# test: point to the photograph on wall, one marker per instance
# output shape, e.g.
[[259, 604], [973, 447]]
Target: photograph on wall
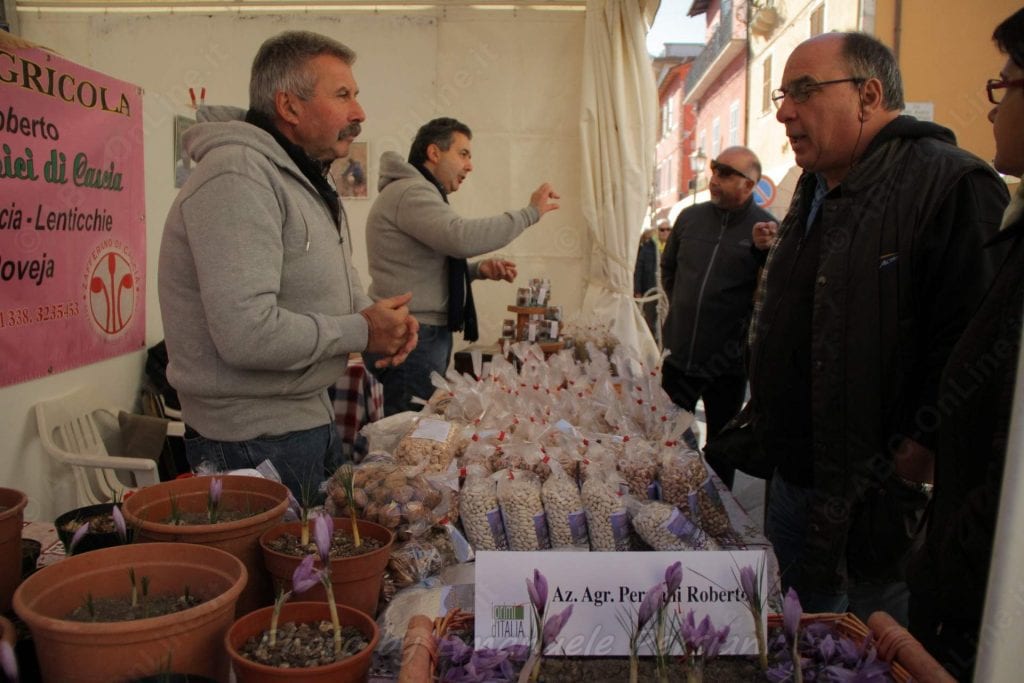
[[350, 172], [182, 162]]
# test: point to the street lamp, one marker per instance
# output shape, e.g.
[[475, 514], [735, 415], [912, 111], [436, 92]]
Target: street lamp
[[698, 160]]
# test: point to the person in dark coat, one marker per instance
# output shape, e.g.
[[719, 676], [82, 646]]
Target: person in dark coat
[[645, 277], [948, 576]]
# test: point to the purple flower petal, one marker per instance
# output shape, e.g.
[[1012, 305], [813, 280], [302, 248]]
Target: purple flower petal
[[554, 625], [122, 529], [323, 531], [216, 487], [305, 576], [538, 590], [8, 662], [79, 534], [791, 611], [454, 650], [749, 583], [653, 599], [674, 577]]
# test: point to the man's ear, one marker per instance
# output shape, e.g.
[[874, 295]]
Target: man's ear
[[871, 98], [285, 105], [433, 153]]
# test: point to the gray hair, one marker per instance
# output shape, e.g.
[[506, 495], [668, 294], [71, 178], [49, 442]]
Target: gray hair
[[867, 57], [280, 66]]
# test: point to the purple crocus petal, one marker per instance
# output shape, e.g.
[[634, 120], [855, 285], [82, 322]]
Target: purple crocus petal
[[791, 611], [748, 582], [8, 662], [323, 531], [704, 628], [826, 649], [518, 653], [553, 626], [216, 486], [122, 528], [80, 533], [673, 577], [649, 605], [848, 651], [453, 650], [538, 589], [783, 671], [714, 641], [489, 660], [305, 576]]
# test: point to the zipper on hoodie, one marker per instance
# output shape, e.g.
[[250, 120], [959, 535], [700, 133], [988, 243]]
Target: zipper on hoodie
[[703, 287]]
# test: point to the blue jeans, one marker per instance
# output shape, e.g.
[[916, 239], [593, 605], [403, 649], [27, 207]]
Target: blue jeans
[[412, 378], [304, 459], [786, 528]]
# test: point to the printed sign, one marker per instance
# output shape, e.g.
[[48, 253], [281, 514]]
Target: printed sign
[[605, 588], [72, 216]]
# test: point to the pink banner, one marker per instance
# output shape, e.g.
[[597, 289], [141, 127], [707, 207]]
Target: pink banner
[[72, 216]]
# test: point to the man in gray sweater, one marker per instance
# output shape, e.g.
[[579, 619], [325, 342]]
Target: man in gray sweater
[[260, 302], [416, 241]]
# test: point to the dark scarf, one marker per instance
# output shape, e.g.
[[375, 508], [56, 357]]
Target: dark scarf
[[315, 171], [461, 309]]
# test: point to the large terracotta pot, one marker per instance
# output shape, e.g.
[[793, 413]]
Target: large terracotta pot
[[356, 581], [110, 652], [147, 509], [351, 670], [12, 518]]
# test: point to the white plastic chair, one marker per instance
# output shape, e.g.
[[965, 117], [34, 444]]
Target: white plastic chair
[[71, 435]]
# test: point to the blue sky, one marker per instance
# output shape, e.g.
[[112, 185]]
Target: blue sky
[[671, 25]]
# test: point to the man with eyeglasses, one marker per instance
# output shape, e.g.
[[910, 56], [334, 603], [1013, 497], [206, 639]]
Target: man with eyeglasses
[[709, 273], [871, 278]]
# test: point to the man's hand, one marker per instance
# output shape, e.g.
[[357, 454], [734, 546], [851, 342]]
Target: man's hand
[[392, 331], [764, 234], [541, 199], [498, 269], [914, 462]]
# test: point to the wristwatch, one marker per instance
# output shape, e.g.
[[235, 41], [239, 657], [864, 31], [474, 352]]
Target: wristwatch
[[919, 486]]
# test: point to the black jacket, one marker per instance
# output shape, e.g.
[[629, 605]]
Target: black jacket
[[975, 403], [901, 269], [709, 274]]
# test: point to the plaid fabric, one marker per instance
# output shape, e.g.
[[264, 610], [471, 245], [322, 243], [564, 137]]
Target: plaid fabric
[[358, 400]]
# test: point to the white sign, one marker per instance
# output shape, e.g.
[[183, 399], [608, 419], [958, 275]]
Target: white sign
[[605, 587], [922, 111]]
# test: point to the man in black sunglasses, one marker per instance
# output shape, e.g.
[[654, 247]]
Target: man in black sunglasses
[[709, 274]]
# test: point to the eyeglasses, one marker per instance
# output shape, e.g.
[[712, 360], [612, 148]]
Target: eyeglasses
[[664, 229], [727, 171], [995, 87], [801, 90]]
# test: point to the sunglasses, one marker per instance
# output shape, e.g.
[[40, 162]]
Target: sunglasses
[[727, 171]]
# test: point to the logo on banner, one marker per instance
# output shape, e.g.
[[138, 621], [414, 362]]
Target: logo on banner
[[111, 285], [508, 621]]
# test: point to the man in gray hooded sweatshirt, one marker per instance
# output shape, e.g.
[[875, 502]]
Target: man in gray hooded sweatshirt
[[415, 241], [260, 302]]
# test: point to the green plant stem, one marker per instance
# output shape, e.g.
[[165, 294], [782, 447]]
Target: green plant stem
[[762, 649], [695, 670], [634, 668], [334, 614], [798, 672], [535, 673], [661, 658]]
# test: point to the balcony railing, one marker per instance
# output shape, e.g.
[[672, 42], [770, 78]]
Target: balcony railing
[[715, 46]]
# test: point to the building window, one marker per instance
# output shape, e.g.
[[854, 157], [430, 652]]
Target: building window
[[766, 85], [716, 137], [734, 124], [818, 20]]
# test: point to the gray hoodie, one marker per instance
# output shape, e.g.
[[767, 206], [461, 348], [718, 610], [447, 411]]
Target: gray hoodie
[[259, 298], [411, 230]]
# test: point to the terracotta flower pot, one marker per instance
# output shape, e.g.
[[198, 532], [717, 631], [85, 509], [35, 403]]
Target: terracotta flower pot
[[106, 652], [12, 518], [351, 670], [93, 540], [147, 509], [356, 580]]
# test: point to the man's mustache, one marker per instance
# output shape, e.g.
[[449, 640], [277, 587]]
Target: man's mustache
[[350, 131]]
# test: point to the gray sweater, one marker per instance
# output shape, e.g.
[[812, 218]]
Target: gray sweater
[[259, 298], [411, 230]]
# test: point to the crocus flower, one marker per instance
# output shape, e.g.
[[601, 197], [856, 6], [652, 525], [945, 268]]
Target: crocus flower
[[79, 534], [454, 650], [323, 532], [538, 590], [791, 611], [554, 625], [713, 642], [122, 529], [654, 599], [216, 487], [8, 662], [305, 576], [748, 582], [673, 577]]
